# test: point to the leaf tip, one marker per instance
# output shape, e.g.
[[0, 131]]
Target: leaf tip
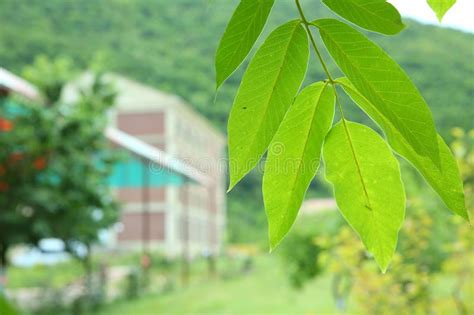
[[234, 180], [274, 241], [440, 15], [232, 183], [273, 246], [219, 83], [467, 217], [463, 213], [383, 265], [383, 261]]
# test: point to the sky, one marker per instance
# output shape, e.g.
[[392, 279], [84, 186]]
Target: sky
[[461, 15]]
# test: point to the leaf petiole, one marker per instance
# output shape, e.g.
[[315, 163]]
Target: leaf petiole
[[306, 25], [333, 83]]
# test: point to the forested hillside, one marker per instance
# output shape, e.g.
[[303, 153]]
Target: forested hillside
[[171, 45]]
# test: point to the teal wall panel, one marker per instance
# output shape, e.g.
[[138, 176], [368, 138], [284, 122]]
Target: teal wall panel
[[129, 173]]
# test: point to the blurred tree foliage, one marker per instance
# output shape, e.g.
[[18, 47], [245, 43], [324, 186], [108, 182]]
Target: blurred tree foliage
[[171, 45], [435, 247], [461, 251], [6, 308], [53, 168], [49, 76], [300, 253]]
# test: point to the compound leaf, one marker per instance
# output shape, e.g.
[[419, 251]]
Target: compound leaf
[[375, 15], [268, 87], [384, 83], [241, 33], [367, 185], [446, 181], [294, 155]]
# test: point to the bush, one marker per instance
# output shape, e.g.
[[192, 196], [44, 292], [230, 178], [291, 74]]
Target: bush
[[300, 250], [132, 288]]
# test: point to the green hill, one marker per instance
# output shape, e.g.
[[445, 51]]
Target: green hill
[[171, 45]]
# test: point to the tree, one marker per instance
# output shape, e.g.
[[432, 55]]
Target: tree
[[424, 51], [461, 251], [55, 162], [295, 128], [49, 76]]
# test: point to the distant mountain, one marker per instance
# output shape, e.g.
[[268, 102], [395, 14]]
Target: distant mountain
[[170, 44]]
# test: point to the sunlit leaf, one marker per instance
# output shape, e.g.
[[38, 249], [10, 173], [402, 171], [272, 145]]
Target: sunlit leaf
[[440, 7], [446, 181], [367, 185], [384, 83], [244, 27], [268, 87], [293, 157], [374, 15]]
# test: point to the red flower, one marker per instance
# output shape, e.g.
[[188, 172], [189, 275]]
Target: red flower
[[40, 163], [145, 261], [4, 186], [5, 125], [15, 157]]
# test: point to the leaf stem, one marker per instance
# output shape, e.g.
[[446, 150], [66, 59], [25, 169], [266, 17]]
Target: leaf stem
[[333, 83], [313, 42], [354, 155]]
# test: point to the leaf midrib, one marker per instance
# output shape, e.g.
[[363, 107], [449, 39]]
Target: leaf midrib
[[239, 45], [298, 174], [270, 97], [403, 142], [369, 85], [356, 161]]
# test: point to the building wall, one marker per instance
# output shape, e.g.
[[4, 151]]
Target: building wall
[[193, 141], [191, 218]]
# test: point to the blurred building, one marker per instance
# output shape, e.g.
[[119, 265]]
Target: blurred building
[[10, 83], [172, 186], [171, 181]]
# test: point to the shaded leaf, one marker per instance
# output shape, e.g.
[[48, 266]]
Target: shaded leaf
[[293, 157], [241, 33], [367, 185], [384, 83], [440, 7], [375, 15], [446, 181], [268, 87]]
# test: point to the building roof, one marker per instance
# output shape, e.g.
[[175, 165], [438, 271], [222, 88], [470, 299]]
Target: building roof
[[149, 152], [11, 82], [14, 83], [148, 98]]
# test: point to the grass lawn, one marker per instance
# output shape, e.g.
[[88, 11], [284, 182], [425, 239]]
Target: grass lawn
[[264, 291], [44, 276]]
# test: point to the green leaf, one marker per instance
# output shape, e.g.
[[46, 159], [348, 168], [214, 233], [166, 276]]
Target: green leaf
[[446, 181], [384, 83], [375, 15], [440, 7], [241, 33], [367, 185], [293, 157], [268, 87]]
